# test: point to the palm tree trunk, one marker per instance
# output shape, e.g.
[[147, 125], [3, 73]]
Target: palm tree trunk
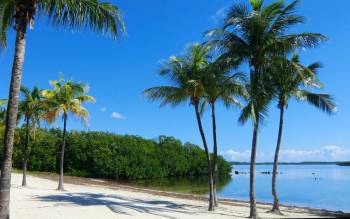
[[276, 207], [253, 212], [25, 154], [11, 118], [215, 161], [210, 172], [60, 181]]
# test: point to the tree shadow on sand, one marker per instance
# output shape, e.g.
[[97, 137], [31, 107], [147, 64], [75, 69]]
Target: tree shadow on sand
[[126, 205], [120, 204]]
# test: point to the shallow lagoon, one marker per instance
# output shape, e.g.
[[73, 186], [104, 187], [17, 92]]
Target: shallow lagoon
[[317, 186]]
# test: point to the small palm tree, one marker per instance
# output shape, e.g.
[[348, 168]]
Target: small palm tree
[[220, 85], [66, 97], [31, 108], [253, 34], [187, 73], [291, 80], [98, 16]]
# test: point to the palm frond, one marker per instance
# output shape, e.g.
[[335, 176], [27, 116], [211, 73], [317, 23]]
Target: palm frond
[[324, 102], [247, 113], [98, 16], [7, 13], [286, 18], [256, 4], [168, 95]]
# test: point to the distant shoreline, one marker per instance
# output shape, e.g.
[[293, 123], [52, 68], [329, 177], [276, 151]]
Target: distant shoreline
[[339, 163]]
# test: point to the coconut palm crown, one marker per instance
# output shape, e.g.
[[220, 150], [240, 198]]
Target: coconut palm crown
[[256, 32], [66, 97], [102, 17]]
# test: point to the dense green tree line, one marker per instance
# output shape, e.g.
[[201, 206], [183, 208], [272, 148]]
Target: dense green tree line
[[107, 155]]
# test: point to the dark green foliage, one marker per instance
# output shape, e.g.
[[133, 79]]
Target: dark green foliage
[[107, 155]]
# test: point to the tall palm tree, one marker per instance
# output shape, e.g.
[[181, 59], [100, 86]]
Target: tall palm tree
[[260, 95], [186, 73], [31, 108], [220, 85], [66, 97], [292, 80], [253, 34], [98, 16]]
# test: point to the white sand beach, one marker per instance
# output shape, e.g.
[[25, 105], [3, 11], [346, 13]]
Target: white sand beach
[[41, 200]]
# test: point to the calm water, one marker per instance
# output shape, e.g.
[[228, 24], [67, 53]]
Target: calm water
[[296, 185]]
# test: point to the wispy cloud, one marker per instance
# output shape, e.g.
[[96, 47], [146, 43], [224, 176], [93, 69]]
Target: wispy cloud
[[103, 109], [219, 15], [116, 115], [326, 153]]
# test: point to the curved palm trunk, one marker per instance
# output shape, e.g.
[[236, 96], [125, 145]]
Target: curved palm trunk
[[276, 207], [63, 146], [215, 161], [253, 212], [25, 154], [11, 118], [210, 172]]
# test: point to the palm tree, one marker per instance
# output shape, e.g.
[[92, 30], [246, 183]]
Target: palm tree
[[31, 108], [219, 84], [260, 95], [291, 80], [186, 73], [66, 97], [18, 14], [254, 36]]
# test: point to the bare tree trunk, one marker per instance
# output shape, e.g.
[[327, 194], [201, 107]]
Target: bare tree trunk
[[276, 207], [60, 181], [253, 212], [11, 118], [25, 154], [215, 161], [210, 172]]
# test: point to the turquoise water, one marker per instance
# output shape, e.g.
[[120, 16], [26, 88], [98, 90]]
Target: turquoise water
[[316, 186]]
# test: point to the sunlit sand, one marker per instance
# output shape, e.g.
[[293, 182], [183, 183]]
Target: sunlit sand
[[41, 200]]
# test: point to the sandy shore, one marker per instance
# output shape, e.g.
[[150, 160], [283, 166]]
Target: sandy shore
[[95, 199]]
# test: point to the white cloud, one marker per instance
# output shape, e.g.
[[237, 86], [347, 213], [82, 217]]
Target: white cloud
[[326, 153], [103, 109], [233, 155], [116, 115], [242, 156]]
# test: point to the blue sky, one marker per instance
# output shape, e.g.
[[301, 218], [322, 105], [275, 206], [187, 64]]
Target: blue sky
[[118, 72]]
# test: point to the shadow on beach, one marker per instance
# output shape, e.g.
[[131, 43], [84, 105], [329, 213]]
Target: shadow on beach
[[123, 205]]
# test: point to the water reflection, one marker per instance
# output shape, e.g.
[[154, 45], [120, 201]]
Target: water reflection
[[317, 186]]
